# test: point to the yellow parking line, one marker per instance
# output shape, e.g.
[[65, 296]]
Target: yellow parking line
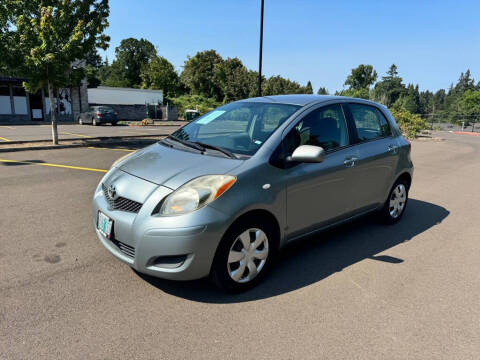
[[4, 139], [79, 135], [103, 148], [8, 127], [54, 165]]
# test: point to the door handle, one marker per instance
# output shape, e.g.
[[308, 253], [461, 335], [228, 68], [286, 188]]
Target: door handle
[[350, 161], [392, 148]]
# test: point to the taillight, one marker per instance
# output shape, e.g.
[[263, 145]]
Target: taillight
[[99, 114]]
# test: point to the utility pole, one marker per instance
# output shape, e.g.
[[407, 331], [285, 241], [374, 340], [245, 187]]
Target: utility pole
[[260, 53]]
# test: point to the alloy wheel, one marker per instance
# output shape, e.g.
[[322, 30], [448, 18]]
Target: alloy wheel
[[248, 255], [397, 201]]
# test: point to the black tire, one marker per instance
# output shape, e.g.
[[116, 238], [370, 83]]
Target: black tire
[[114, 123], [94, 122], [220, 267], [389, 216]]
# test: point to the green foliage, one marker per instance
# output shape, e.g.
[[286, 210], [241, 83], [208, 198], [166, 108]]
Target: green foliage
[[322, 91], [234, 80], [159, 74], [41, 39], [309, 88], [277, 85], [410, 124], [198, 102], [469, 104], [362, 77], [390, 88], [199, 72], [355, 93], [131, 56]]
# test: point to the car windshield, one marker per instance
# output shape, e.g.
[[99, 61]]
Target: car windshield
[[240, 127]]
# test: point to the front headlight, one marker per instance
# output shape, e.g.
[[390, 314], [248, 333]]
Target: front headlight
[[195, 194], [120, 159]]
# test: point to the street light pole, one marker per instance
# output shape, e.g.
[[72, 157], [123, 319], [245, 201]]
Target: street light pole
[[260, 53]]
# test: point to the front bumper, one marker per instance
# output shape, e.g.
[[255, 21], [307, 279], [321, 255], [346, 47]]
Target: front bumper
[[143, 241]]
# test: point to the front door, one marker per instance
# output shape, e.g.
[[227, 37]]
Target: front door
[[319, 193]]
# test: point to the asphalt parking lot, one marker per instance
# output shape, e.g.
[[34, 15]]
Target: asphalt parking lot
[[74, 131], [363, 291]]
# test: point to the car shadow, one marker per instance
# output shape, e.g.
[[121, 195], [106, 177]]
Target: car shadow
[[312, 259]]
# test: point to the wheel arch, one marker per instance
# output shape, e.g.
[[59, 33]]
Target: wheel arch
[[407, 177]]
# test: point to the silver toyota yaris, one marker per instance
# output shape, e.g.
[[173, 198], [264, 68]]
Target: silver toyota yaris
[[224, 193]]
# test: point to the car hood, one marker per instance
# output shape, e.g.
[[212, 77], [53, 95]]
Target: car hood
[[172, 168]]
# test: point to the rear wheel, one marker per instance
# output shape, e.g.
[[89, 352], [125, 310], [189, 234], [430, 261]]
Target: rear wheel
[[244, 255], [396, 203]]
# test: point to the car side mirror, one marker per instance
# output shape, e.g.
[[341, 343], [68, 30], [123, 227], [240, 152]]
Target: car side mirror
[[307, 154]]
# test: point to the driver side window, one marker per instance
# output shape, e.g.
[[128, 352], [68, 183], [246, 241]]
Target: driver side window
[[325, 127]]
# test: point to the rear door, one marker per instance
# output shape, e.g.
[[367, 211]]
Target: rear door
[[377, 155], [319, 193]]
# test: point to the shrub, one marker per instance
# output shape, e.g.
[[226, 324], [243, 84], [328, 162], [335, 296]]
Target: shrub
[[410, 124], [198, 102]]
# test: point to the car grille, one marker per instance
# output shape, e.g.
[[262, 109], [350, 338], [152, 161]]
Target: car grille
[[121, 203], [124, 248]]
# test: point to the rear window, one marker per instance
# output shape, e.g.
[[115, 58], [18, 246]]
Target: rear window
[[105, 109]]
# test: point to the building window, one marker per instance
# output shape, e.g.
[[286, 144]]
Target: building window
[[20, 100], [5, 106]]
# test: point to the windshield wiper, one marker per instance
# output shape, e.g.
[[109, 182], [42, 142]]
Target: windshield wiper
[[217, 148], [187, 143]]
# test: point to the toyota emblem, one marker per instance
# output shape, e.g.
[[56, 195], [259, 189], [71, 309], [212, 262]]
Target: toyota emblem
[[112, 192]]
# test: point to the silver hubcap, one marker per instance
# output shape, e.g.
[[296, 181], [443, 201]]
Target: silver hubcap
[[397, 201], [247, 255]]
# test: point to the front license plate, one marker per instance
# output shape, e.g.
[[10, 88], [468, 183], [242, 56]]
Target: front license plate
[[104, 224]]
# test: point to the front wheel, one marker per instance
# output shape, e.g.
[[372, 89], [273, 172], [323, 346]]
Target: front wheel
[[396, 203], [244, 256]]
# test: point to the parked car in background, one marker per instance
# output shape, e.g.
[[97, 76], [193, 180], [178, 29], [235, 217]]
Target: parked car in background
[[97, 115], [223, 193]]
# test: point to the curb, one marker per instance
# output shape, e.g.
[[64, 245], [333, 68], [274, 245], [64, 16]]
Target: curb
[[18, 142], [113, 140]]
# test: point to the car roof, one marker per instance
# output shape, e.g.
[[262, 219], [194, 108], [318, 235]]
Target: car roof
[[304, 99]]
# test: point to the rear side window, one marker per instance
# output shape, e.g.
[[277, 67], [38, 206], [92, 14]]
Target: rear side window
[[384, 125], [369, 122]]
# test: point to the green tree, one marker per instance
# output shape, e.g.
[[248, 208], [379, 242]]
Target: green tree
[[93, 62], [322, 91], [362, 77], [160, 74], [309, 88], [42, 39], [390, 88], [199, 72], [469, 106], [233, 79], [131, 56], [277, 85]]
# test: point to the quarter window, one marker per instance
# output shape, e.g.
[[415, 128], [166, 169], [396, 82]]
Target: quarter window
[[323, 127], [367, 122]]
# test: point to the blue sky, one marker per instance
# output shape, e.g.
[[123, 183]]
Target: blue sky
[[431, 42]]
